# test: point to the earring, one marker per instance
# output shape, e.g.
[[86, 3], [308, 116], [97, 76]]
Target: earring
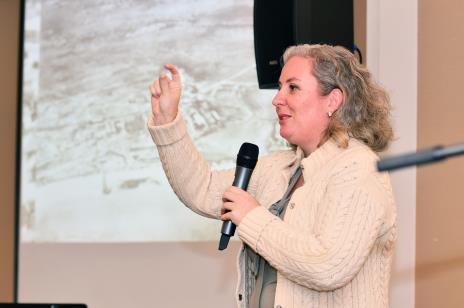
[[329, 113]]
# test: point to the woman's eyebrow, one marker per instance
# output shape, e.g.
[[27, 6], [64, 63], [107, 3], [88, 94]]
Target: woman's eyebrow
[[291, 79]]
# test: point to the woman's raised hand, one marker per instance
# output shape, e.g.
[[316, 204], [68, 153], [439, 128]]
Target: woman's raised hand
[[165, 96]]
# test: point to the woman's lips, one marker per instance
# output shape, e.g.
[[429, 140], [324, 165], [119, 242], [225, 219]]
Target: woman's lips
[[283, 117]]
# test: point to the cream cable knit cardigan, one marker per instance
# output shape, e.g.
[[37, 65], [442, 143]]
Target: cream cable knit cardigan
[[334, 246]]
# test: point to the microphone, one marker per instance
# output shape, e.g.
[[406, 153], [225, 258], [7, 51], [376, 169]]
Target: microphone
[[246, 161]]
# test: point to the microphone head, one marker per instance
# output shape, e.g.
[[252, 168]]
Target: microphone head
[[248, 155]]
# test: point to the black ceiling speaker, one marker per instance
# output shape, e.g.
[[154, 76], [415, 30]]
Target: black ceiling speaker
[[281, 23]]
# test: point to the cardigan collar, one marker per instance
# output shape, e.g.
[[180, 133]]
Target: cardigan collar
[[317, 159], [312, 163]]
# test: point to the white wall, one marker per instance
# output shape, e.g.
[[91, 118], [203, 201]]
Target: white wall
[[392, 58]]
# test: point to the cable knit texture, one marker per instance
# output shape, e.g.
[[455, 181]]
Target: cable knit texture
[[335, 244]]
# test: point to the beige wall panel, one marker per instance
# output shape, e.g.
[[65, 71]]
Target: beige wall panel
[[145, 274], [440, 205], [9, 25]]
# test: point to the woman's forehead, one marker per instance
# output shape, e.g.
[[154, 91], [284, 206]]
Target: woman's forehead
[[296, 68]]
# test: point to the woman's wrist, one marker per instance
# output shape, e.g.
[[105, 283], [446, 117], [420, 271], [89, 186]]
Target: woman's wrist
[[161, 119]]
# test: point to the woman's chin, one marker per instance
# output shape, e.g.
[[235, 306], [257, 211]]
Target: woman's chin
[[282, 134], [286, 136]]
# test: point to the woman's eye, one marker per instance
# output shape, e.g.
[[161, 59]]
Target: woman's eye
[[293, 87]]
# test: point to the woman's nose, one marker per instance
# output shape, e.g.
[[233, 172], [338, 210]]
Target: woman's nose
[[278, 100]]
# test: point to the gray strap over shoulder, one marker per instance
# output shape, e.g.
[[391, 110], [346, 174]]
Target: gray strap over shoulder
[[278, 208]]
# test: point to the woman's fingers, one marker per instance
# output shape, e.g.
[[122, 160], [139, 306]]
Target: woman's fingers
[[228, 206], [163, 82], [155, 89], [165, 86], [227, 211], [174, 72], [237, 203], [155, 96], [165, 96], [232, 193], [227, 216]]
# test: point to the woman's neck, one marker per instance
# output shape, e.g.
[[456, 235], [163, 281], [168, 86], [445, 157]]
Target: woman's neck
[[308, 149]]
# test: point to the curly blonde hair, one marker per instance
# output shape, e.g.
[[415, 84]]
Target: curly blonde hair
[[365, 111]]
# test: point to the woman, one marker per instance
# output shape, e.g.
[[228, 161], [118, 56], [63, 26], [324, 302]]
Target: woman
[[318, 222]]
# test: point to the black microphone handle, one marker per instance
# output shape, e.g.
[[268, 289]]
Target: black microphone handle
[[242, 177]]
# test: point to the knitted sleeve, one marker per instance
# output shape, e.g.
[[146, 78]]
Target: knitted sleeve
[[188, 173], [350, 218]]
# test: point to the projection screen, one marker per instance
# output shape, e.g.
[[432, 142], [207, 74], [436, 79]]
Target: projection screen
[[90, 174]]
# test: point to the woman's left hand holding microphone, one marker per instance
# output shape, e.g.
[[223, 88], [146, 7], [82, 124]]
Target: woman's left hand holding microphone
[[237, 204]]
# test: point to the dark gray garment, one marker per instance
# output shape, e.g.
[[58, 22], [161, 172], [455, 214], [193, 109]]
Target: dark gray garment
[[263, 293]]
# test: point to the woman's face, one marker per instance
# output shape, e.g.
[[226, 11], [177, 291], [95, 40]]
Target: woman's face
[[302, 111]]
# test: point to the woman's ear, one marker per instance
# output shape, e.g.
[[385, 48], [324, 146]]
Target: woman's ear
[[335, 99]]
